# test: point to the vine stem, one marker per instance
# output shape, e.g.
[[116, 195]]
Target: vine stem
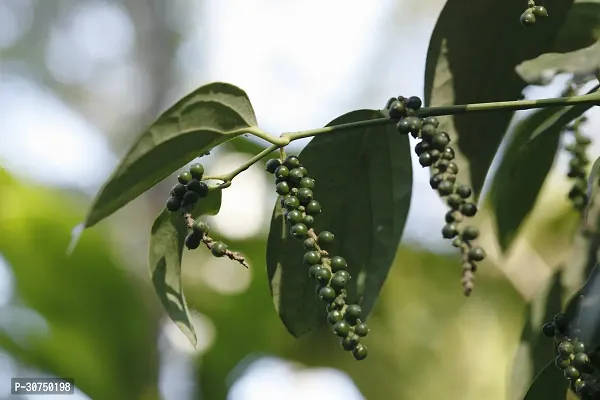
[[593, 97]]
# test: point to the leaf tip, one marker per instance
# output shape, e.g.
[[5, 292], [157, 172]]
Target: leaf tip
[[76, 233]]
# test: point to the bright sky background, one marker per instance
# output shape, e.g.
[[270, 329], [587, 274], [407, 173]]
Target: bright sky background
[[299, 61]]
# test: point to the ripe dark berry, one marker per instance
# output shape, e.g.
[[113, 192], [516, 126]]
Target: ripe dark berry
[[572, 373], [362, 329], [415, 124], [565, 348], [468, 209], [184, 177], [307, 182], [435, 180], [219, 249], [338, 263], [431, 121], [294, 217], [427, 133], [197, 171], [403, 126], [448, 154], [451, 216], [173, 204], [295, 176], [527, 19], [192, 242], [323, 275], [308, 220], [440, 140], [312, 271], [282, 172], [421, 148], [200, 228], [299, 231], [397, 110], [350, 342], [313, 207], [464, 191], [454, 201], [434, 154], [449, 231], [312, 257], [191, 197], [352, 313], [198, 187], [578, 347], [562, 362], [334, 316], [291, 203], [561, 322], [540, 11], [471, 233], [476, 254], [327, 294], [291, 162], [339, 280], [548, 329], [360, 352], [582, 388], [414, 103], [305, 196], [325, 238], [341, 328], [282, 188], [425, 160], [272, 165], [179, 190], [309, 244], [445, 188]]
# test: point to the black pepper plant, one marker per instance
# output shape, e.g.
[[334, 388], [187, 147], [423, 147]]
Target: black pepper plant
[[343, 201]]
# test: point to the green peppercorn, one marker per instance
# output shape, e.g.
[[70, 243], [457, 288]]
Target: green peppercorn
[[305, 196], [435, 155], [339, 302], [312, 271], [440, 140], [425, 160], [572, 373], [435, 180], [454, 201], [352, 313], [184, 177], [313, 207], [192, 242], [578, 347], [463, 191], [468, 209], [341, 328], [323, 275], [309, 244], [565, 348], [218, 249], [325, 238], [581, 361], [562, 362], [448, 154], [431, 121], [200, 228], [470, 233], [308, 220], [403, 126], [445, 188], [291, 162], [428, 131], [282, 172], [303, 170], [197, 171], [397, 110], [452, 216], [306, 182], [350, 342], [476, 254], [582, 387], [362, 329], [458, 242], [272, 165], [338, 263], [539, 11], [173, 204], [527, 19], [179, 190], [312, 257], [295, 176], [327, 294], [339, 280], [294, 217], [334, 316], [360, 352], [421, 148], [449, 231], [299, 231]]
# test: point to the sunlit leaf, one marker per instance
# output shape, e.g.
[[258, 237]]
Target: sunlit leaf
[[203, 119], [166, 250], [363, 182]]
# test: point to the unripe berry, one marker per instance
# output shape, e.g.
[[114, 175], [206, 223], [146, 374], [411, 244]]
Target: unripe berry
[[200, 228], [360, 352], [197, 171], [219, 249], [327, 294], [362, 329], [184, 177], [341, 328], [291, 162], [312, 257], [338, 263], [272, 165]]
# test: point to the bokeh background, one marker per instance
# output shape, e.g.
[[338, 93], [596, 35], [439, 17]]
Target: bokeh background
[[80, 79]]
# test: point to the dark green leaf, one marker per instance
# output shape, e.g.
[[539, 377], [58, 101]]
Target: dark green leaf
[[203, 119], [166, 250], [542, 69], [550, 384], [363, 182], [532, 148], [471, 58], [581, 29]]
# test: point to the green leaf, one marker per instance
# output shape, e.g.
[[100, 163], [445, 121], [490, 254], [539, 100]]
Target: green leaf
[[542, 69], [550, 384], [532, 148], [203, 119], [474, 61], [591, 218], [581, 29], [166, 250], [364, 183]]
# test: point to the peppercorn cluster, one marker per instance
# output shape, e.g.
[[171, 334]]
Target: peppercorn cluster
[[295, 189], [434, 151], [572, 358], [184, 197], [578, 164], [532, 14]]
